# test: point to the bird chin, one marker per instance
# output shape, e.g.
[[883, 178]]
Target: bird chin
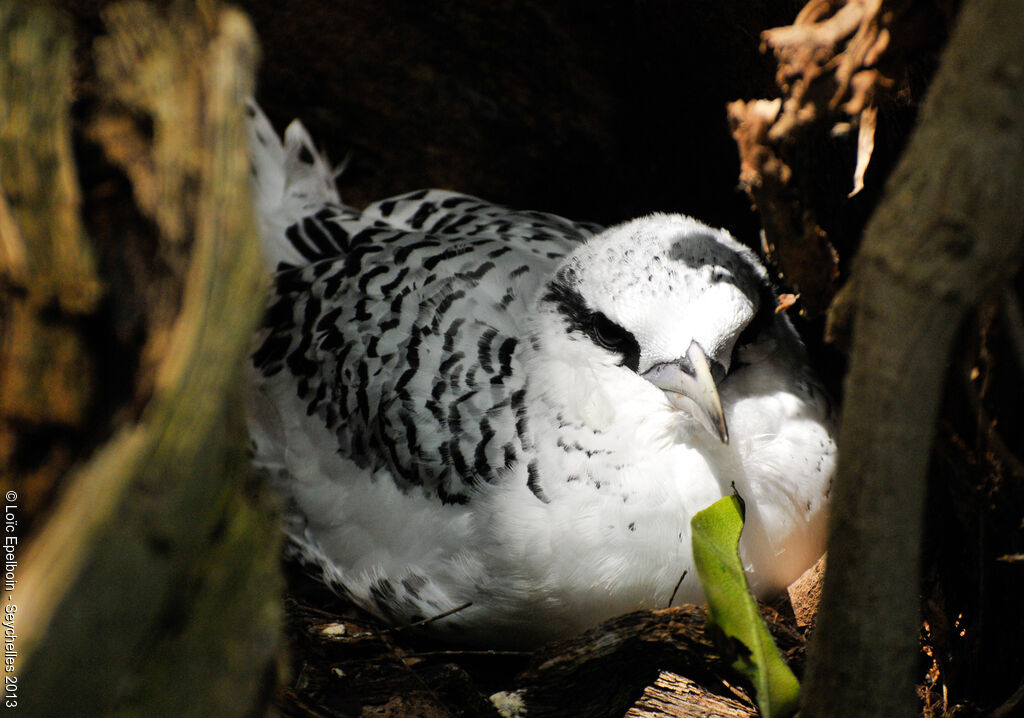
[[691, 415]]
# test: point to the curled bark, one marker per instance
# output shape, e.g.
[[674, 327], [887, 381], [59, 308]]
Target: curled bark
[[836, 63]]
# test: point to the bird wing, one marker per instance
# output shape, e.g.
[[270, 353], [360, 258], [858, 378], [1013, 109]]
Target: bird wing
[[399, 335]]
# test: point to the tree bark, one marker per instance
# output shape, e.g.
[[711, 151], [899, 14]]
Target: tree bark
[[948, 232], [675, 696], [150, 583]]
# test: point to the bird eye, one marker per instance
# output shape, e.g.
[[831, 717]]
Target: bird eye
[[607, 333]]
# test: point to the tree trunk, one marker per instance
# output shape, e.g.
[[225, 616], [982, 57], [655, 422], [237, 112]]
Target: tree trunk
[[131, 285], [949, 232]]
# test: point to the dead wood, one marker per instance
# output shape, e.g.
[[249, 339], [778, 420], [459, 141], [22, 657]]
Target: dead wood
[[650, 663], [48, 275], [948, 234], [604, 671], [838, 63], [673, 696], [147, 573]]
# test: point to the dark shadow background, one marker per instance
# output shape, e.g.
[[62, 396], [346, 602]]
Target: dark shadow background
[[599, 111]]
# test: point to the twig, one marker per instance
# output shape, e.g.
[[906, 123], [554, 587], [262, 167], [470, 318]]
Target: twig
[[416, 624], [471, 652], [1009, 706], [431, 619], [676, 589]]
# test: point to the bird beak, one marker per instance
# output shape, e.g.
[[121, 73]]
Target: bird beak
[[692, 389]]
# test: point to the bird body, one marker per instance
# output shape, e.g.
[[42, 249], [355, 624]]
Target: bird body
[[467, 404]]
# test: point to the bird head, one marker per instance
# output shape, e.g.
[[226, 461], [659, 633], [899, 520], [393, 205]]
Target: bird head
[[664, 298]]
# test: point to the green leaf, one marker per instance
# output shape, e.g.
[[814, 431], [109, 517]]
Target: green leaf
[[733, 611]]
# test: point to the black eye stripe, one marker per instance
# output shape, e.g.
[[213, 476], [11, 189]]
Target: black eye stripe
[[581, 319], [606, 332]]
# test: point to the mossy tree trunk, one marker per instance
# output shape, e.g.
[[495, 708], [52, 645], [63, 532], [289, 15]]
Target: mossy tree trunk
[[148, 579]]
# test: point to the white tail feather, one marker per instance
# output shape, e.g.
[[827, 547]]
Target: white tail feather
[[291, 180]]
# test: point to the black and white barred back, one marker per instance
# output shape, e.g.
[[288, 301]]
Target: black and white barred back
[[419, 295]]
